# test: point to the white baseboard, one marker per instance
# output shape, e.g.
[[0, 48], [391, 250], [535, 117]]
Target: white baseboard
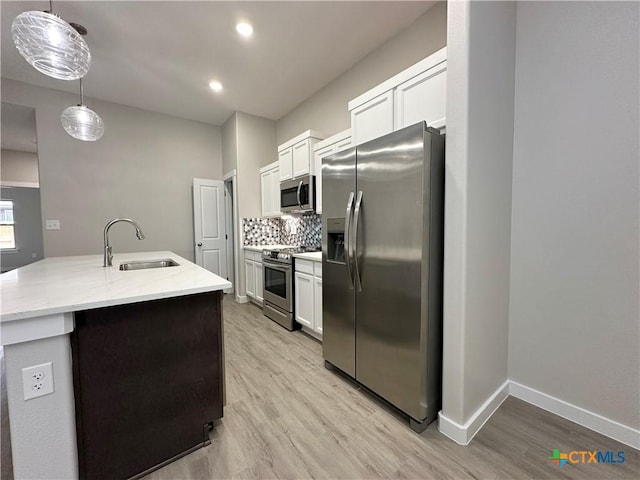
[[590, 420], [242, 299], [462, 434]]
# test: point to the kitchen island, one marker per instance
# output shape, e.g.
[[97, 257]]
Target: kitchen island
[[40, 306]]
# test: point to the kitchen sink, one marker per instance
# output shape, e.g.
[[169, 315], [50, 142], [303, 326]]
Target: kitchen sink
[[144, 264]]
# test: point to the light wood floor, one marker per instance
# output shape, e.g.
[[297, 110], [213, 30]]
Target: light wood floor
[[289, 417]]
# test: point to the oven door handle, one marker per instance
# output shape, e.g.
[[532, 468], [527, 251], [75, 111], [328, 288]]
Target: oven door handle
[[275, 265], [298, 194]]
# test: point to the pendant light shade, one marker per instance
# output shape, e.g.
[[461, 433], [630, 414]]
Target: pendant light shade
[[51, 45], [81, 122]]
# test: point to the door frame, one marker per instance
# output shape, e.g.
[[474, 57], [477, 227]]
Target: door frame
[[232, 178]]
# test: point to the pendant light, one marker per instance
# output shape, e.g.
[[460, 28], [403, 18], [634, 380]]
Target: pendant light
[[81, 122], [51, 45]]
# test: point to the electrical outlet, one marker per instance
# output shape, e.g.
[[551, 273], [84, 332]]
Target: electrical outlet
[[52, 224], [37, 380]]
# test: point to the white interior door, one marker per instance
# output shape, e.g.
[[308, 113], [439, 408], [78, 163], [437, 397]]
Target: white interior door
[[209, 225]]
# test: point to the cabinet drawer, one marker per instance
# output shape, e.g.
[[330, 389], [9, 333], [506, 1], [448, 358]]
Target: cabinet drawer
[[317, 269], [304, 266], [252, 255]]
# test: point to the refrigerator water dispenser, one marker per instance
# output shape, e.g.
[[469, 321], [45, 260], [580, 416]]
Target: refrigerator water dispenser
[[335, 240]]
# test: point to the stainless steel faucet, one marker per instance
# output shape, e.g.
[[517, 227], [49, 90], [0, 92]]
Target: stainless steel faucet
[[108, 258]]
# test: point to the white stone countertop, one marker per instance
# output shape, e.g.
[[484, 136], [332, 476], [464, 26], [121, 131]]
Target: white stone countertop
[[68, 284], [259, 248], [315, 256]]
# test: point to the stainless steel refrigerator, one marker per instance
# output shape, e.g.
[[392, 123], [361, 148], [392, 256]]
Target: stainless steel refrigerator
[[382, 255]]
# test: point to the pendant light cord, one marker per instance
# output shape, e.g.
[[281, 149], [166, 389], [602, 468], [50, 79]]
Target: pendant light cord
[[81, 93], [51, 7]]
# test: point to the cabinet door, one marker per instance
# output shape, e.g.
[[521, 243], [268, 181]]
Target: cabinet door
[[250, 278], [139, 376], [301, 158], [285, 160], [372, 119], [319, 154], [423, 98], [259, 281], [275, 189], [304, 299], [266, 188], [317, 305]]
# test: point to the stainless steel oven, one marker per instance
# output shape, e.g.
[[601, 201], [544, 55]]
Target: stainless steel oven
[[278, 302], [298, 195], [278, 292]]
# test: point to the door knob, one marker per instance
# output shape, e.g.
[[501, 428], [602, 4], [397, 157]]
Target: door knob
[[199, 244]]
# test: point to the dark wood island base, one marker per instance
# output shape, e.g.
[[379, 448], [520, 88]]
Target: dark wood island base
[[148, 383]]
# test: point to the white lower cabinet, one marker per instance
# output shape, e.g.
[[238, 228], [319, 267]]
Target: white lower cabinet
[[250, 278], [304, 299], [308, 295], [253, 275], [259, 281], [317, 304]]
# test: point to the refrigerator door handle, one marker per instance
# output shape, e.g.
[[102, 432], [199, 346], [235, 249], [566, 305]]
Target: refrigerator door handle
[[347, 242], [356, 222], [298, 194]]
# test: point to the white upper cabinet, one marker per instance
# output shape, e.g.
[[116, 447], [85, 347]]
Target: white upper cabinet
[[285, 160], [275, 189], [296, 155], [415, 94], [374, 118], [329, 146], [301, 164], [270, 189], [422, 98]]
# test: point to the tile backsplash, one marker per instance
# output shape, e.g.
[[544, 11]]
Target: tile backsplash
[[303, 229], [261, 231]]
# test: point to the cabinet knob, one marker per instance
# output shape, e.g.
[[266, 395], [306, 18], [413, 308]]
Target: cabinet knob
[[199, 244]]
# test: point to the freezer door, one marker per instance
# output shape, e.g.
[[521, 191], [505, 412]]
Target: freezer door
[[338, 297], [392, 235]]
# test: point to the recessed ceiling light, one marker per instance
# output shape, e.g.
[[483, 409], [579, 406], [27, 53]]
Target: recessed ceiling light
[[244, 29], [215, 85]]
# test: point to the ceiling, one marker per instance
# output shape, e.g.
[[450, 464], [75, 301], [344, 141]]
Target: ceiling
[[161, 55]]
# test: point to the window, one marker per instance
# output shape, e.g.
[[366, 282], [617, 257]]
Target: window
[[7, 227]]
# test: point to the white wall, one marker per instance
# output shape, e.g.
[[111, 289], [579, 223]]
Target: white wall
[[256, 148], [19, 169], [326, 111], [141, 168], [229, 145], [480, 83], [248, 143], [574, 316], [53, 413]]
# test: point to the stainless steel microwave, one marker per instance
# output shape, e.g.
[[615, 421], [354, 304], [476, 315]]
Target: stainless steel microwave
[[298, 195]]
